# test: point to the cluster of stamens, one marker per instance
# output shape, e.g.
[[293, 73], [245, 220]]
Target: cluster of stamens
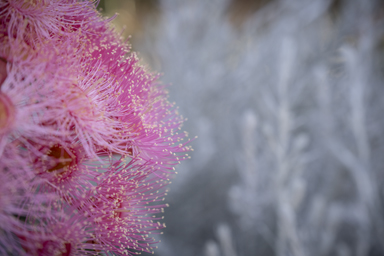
[[89, 130]]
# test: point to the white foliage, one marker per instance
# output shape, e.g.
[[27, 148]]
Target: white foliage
[[288, 108]]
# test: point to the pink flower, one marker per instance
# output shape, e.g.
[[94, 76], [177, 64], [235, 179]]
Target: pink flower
[[19, 205], [124, 207], [88, 139]]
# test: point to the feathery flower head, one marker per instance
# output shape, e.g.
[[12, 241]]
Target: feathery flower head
[[123, 206], [88, 139], [17, 201]]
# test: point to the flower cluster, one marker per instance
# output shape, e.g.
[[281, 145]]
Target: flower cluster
[[88, 139]]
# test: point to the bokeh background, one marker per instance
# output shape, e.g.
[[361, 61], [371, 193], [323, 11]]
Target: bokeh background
[[286, 97]]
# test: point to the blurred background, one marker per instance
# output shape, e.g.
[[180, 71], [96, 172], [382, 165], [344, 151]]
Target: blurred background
[[286, 97]]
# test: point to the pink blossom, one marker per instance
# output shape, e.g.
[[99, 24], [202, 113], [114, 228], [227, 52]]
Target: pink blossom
[[88, 139], [19, 205], [124, 207]]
